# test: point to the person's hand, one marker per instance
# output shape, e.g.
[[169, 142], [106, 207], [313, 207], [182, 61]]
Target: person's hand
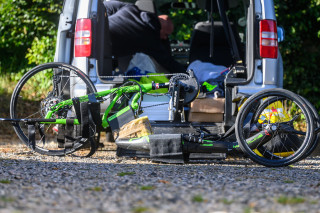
[[166, 26]]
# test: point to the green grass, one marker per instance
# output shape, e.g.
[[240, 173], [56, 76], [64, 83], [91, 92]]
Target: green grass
[[247, 209], [197, 199], [288, 181], [290, 200], [7, 199], [226, 201], [121, 174], [5, 181], [95, 189], [147, 187], [139, 209]]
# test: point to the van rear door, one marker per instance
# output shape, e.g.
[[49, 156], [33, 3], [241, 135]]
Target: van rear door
[[64, 43]]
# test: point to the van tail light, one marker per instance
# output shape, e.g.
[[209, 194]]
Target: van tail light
[[268, 39], [83, 38]]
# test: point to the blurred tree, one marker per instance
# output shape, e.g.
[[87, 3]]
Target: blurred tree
[[27, 28], [300, 50]]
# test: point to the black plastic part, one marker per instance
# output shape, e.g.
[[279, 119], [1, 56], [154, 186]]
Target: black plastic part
[[31, 136], [207, 156], [84, 119], [41, 132], [205, 147], [60, 136], [228, 120], [94, 109], [131, 153], [166, 148], [69, 140], [76, 104], [119, 119]]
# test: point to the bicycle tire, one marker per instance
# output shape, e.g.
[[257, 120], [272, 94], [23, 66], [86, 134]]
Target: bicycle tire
[[316, 119], [303, 115], [42, 86]]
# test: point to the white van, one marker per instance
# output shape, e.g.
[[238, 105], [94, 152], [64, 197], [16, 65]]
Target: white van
[[250, 36]]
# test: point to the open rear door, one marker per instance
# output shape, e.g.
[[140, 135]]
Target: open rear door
[[64, 44]]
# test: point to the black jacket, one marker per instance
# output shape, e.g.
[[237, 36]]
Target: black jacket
[[133, 31]]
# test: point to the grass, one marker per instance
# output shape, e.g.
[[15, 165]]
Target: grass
[[7, 199], [247, 209], [147, 187], [121, 174], [288, 181], [95, 189], [5, 181], [226, 201], [285, 200], [198, 199], [140, 209]]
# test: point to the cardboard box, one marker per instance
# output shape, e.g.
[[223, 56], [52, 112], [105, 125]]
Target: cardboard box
[[207, 110], [205, 117]]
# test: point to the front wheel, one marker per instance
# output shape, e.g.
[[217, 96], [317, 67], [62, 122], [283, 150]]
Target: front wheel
[[285, 124], [41, 88]]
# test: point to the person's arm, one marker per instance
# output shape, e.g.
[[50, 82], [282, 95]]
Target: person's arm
[[113, 6]]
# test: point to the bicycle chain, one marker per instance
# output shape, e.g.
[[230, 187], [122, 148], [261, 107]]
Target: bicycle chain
[[135, 76], [184, 75]]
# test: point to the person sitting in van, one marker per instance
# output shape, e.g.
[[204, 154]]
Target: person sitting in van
[[133, 31]]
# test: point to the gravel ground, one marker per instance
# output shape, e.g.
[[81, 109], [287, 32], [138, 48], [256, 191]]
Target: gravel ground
[[103, 183]]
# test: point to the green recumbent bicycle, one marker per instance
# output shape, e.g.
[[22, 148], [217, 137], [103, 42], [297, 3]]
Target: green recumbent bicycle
[[56, 110]]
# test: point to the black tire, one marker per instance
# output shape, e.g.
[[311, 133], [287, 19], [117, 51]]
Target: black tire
[[316, 119], [41, 87], [290, 112]]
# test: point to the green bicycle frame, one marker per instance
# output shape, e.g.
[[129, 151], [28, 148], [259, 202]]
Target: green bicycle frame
[[118, 91]]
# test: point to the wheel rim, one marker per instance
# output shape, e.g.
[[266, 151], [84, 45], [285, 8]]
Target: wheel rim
[[42, 87], [287, 115]]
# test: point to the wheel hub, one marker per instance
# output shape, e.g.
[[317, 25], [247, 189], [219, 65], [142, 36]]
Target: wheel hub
[[48, 103]]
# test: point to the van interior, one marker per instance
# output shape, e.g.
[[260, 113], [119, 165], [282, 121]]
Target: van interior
[[218, 38]]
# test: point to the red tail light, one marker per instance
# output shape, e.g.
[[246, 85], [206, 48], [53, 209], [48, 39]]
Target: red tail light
[[83, 38], [268, 39]]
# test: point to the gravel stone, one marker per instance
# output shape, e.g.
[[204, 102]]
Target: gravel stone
[[30, 182]]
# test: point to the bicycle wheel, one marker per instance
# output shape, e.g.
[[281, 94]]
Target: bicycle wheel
[[316, 119], [42, 87], [275, 128]]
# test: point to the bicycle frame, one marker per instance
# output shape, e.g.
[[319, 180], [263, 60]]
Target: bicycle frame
[[118, 91], [205, 145]]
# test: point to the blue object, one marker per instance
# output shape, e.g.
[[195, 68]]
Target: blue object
[[137, 72]]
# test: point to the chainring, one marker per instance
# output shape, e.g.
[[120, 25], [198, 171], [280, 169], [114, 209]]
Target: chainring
[[49, 102], [189, 86]]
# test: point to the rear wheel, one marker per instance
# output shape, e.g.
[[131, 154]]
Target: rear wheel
[[287, 122], [316, 118], [42, 87]]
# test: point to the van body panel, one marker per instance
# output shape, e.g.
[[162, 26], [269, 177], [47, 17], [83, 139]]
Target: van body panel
[[268, 73], [261, 73], [268, 10], [84, 9], [64, 43], [269, 67]]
